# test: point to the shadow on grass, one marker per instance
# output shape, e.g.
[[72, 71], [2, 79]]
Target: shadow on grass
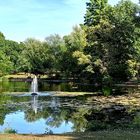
[[107, 135], [100, 135]]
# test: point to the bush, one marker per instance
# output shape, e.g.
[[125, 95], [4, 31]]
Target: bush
[[106, 91], [10, 131]]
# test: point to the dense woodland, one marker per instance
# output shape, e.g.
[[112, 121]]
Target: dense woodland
[[105, 48]]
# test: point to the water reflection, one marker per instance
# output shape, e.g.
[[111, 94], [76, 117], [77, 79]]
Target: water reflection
[[35, 103], [24, 86], [45, 113], [31, 112], [55, 104], [48, 114]]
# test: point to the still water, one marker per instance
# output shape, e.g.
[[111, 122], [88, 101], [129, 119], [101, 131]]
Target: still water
[[38, 114], [47, 113], [16, 86]]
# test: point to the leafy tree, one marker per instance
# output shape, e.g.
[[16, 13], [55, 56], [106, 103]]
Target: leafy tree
[[35, 58], [97, 28], [111, 35], [2, 37], [56, 47], [12, 49], [124, 34], [6, 66], [73, 43], [137, 57], [95, 11]]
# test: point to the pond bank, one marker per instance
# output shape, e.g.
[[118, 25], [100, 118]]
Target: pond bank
[[99, 135], [131, 100]]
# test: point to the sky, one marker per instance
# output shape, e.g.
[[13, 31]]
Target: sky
[[21, 19]]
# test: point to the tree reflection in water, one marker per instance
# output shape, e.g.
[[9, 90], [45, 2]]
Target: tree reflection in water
[[61, 110]]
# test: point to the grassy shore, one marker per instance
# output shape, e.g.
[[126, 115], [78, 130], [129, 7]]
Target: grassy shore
[[72, 94], [23, 75], [100, 135]]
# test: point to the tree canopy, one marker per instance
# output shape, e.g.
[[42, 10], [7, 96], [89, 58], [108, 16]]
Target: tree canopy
[[106, 45]]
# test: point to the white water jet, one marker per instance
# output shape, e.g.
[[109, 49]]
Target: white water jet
[[34, 85]]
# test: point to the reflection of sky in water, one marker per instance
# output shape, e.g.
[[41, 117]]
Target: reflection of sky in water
[[17, 122]]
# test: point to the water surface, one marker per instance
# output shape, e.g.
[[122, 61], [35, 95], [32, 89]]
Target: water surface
[[47, 113]]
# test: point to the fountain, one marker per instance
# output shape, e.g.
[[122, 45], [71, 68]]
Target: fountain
[[34, 86]]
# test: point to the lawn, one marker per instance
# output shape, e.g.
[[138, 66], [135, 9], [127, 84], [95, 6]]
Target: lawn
[[100, 135], [23, 75]]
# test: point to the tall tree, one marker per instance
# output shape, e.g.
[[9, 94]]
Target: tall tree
[[35, 57], [124, 34], [97, 29], [56, 47], [13, 50], [74, 42], [95, 11], [111, 37], [6, 66]]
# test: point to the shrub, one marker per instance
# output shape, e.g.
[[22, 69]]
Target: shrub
[[10, 131]]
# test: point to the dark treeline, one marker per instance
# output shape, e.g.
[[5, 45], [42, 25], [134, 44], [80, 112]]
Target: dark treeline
[[105, 48]]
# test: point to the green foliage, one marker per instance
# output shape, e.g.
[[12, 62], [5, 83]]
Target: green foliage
[[56, 48], [97, 48], [9, 54], [106, 91], [74, 44], [10, 131], [132, 68], [82, 58], [2, 37], [78, 118], [12, 49], [35, 57], [95, 12], [106, 45], [6, 66], [112, 33], [122, 45]]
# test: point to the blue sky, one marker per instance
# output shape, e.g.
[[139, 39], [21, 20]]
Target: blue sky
[[21, 19]]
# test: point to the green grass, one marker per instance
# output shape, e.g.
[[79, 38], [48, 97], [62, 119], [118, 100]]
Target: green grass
[[108, 135], [60, 93], [100, 135], [23, 75]]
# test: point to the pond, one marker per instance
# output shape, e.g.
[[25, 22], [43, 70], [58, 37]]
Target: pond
[[48, 113], [24, 86]]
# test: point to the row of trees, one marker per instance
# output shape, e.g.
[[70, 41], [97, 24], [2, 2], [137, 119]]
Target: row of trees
[[106, 46], [54, 55]]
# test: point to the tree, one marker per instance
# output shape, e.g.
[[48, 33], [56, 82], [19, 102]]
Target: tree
[[124, 34], [111, 35], [6, 66], [35, 57], [73, 43], [56, 47], [97, 28], [13, 50], [95, 12]]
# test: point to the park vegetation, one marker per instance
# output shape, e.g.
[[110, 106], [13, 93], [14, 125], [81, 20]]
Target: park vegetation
[[105, 48]]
